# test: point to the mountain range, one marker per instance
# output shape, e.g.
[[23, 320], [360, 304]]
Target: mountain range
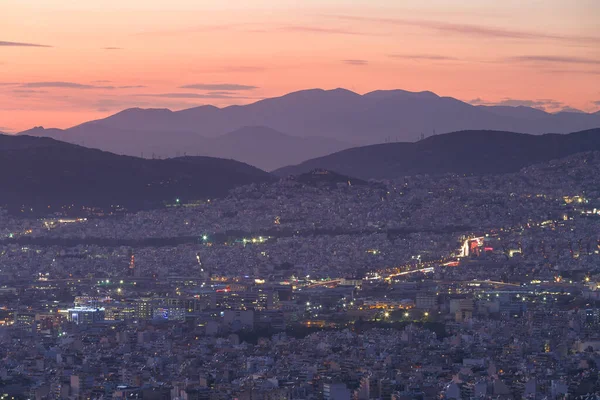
[[45, 175], [463, 152], [275, 132]]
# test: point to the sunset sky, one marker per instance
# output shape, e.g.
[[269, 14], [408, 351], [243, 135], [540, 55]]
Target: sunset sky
[[63, 62]]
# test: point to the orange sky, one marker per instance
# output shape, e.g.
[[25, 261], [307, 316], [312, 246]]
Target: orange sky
[[103, 56]]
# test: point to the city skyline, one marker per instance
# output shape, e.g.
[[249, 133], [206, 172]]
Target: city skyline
[[299, 200], [97, 59]]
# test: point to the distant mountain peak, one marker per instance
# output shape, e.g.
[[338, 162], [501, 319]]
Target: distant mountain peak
[[570, 110], [202, 107], [41, 131], [143, 110], [319, 91], [385, 94]]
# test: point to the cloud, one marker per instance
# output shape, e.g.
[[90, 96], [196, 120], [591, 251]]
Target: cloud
[[472, 30], [102, 81], [18, 44], [211, 95], [330, 31], [64, 85], [9, 83], [519, 102], [192, 29], [596, 103], [478, 102], [572, 71], [428, 57], [131, 87], [112, 48], [356, 62], [541, 104], [242, 68], [219, 86], [554, 59], [221, 93], [233, 68], [73, 85], [28, 91], [572, 110]]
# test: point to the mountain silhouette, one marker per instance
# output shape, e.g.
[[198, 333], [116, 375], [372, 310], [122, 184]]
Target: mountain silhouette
[[463, 152], [268, 148], [344, 118], [262, 147], [45, 174]]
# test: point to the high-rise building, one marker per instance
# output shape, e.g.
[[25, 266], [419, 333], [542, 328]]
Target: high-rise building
[[85, 315], [143, 308], [133, 270], [169, 313]]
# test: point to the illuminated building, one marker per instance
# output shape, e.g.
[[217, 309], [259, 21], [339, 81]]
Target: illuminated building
[[472, 246], [119, 312], [169, 313], [24, 319], [133, 271], [143, 309], [85, 315]]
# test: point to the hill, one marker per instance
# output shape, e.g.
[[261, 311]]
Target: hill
[[468, 152], [581, 171], [325, 178], [330, 120], [45, 174], [269, 149], [259, 146]]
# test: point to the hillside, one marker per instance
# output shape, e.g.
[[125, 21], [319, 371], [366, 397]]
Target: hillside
[[259, 146], [327, 120], [43, 173], [269, 149], [324, 178], [469, 152], [581, 170]]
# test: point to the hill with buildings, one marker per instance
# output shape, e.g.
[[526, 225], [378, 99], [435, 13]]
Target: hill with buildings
[[464, 152], [47, 175]]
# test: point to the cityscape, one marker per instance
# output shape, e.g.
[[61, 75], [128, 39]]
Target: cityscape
[[400, 289], [321, 244]]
